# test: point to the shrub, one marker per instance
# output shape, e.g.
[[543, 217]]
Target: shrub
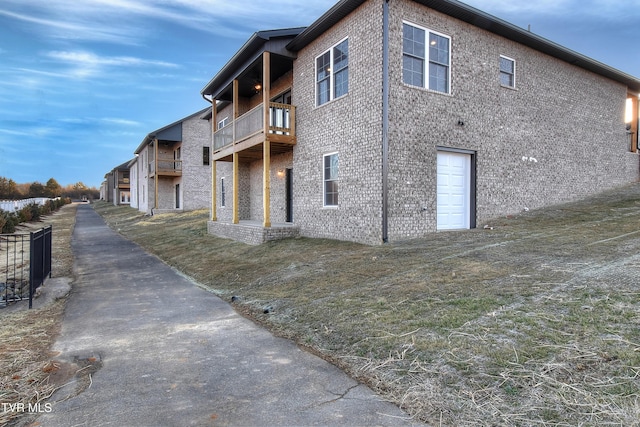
[[25, 214], [36, 211], [9, 221]]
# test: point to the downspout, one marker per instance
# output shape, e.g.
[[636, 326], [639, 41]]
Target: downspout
[[385, 121]]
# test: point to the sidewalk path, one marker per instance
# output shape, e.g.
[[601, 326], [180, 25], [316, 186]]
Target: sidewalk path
[[160, 351]]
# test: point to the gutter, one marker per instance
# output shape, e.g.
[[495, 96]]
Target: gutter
[[385, 121]]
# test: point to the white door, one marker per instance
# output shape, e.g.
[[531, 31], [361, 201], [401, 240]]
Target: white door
[[454, 192]]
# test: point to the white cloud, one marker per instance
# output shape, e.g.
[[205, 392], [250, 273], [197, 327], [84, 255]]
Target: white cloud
[[123, 122], [88, 64], [64, 28], [128, 21], [90, 59]]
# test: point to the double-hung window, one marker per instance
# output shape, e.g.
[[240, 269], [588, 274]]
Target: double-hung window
[[330, 163], [426, 58], [332, 73], [507, 72]]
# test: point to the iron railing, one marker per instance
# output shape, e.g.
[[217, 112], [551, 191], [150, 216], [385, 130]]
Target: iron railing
[[25, 262]]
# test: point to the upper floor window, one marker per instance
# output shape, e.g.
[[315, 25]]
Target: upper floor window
[[426, 58], [222, 123], [332, 73], [507, 72], [330, 163]]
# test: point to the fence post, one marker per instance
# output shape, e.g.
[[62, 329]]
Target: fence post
[[40, 259], [32, 255]]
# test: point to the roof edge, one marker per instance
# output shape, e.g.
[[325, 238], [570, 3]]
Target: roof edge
[[257, 39], [151, 135]]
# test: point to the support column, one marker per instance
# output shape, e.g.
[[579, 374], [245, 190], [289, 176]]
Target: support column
[[155, 175], [214, 192], [236, 188], [266, 178], [236, 166]]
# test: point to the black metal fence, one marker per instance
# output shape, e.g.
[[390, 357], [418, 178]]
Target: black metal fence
[[25, 262]]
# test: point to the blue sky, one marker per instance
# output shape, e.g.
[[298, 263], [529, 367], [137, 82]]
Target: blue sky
[[83, 82]]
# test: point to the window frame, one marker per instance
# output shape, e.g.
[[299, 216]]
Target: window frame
[[427, 60], [325, 180], [206, 156], [222, 123], [501, 72], [331, 74]]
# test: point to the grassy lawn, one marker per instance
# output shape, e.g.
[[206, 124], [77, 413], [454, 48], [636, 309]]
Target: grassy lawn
[[533, 322]]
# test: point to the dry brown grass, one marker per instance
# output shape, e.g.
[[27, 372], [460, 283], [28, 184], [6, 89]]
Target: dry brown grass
[[533, 323], [26, 336]]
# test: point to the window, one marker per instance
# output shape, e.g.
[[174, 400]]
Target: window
[[332, 73], [507, 72], [429, 68], [205, 156], [222, 193], [331, 179], [222, 123]]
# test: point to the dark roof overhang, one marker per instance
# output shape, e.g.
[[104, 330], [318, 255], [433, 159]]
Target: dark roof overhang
[[274, 41], [171, 132], [478, 18]]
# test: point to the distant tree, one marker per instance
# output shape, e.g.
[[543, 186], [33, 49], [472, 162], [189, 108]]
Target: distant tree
[[8, 189], [53, 189], [37, 190], [23, 191]]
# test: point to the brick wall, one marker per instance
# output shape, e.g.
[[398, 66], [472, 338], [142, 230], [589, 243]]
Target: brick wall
[[196, 177], [350, 125], [557, 137]]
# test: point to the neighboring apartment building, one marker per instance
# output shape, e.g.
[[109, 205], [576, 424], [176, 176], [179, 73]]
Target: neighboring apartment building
[[116, 186], [393, 120], [173, 166]]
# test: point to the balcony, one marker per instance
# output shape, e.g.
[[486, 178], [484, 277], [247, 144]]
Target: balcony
[[124, 183], [246, 134], [165, 167]]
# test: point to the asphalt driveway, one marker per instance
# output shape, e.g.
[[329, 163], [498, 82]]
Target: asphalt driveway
[[154, 349]]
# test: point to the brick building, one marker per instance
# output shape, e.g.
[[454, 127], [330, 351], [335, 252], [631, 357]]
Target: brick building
[[116, 188], [390, 120], [172, 168]]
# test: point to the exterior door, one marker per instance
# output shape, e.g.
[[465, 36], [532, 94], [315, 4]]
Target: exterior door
[[454, 190]]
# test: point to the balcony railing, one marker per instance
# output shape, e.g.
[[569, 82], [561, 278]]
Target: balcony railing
[[281, 117], [166, 166]]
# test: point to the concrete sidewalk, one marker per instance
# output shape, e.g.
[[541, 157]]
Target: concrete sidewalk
[[157, 350]]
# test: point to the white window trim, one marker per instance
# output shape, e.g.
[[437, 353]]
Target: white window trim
[[331, 75], [425, 69], [324, 189], [514, 72]]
